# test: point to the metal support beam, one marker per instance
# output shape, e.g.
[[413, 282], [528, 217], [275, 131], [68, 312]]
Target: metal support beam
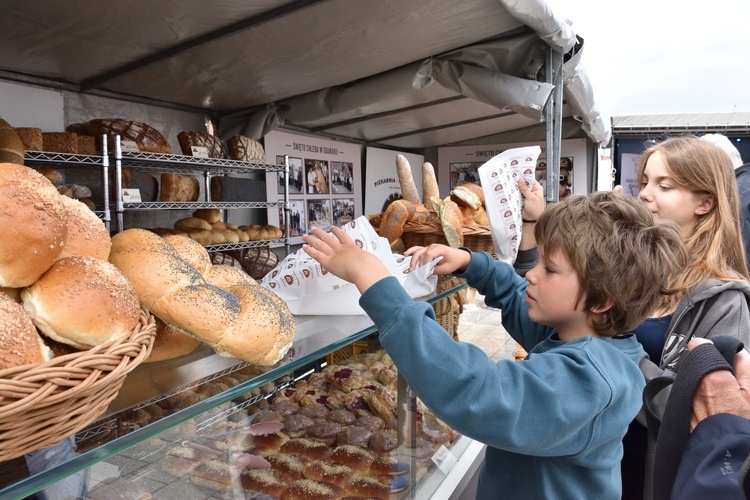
[[553, 117]]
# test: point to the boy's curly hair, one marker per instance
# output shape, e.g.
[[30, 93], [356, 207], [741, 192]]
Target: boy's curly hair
[[622, 258]]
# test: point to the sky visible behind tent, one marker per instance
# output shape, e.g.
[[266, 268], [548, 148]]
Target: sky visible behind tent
[[664, 56]]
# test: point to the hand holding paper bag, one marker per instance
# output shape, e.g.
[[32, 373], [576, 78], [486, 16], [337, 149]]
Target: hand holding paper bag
[[310, 288]]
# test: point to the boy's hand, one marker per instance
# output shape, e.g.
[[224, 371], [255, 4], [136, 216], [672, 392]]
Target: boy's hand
[[533, 200], [338, 253], [454, 259]]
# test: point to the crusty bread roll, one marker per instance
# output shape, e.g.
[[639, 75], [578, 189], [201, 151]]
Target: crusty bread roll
[[12, 149], [245, 321], [33, 225], [468, 194], [451, 219], [406, 180], [176, 187], [83, 302], [210, 215], [20, 343], [229, 236], [54, 175], [192, 223], [429, 182], [191, 251], [394, 218], [170, 343], [87, 235]]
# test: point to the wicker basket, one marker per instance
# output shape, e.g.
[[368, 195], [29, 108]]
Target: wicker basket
[[43, 403], [447, 310]]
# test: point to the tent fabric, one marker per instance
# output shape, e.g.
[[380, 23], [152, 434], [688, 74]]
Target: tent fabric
[[700, 122], [411, 74]]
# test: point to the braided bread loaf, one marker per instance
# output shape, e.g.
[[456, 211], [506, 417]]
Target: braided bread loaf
[[246, 322]]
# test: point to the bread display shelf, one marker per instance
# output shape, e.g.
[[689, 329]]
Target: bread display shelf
[[193, 205], [316, 337], [180, 164], [247, 244]]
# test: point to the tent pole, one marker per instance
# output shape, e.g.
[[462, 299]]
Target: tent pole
[[553, 118]]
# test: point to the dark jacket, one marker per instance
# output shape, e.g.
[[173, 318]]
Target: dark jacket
[[743, 186]]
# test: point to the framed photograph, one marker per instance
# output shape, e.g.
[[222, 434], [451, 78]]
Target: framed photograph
[[343, 211], [297, 218], [319, 214], [295, 175], [318, 176], [342, 177], [464, 172]]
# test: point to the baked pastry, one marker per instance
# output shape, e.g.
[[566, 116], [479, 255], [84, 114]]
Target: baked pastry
[[383, 441], [355, 457], [191, 251], [170, 343], [189, 139], [82, 301], [243, 148], [328, 472], [176, 187], [323, 431], [312, 410], [406, 180], [183, 459], [215, 474], [307, 489], [388, 465], [32, 211], [296, 425], [429, 182], [284, 408], [20, 344], [272, 441], [12, 149], [146, 137], [367, 487], [268, 481], [306, 448], [354, 435], [256, 261]]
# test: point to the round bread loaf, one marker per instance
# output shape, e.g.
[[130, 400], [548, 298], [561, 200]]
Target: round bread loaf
[[394, 218], [83, 302], [210, 215], [170, 343], [191, 251], [87, 235], [192, 223], [20, 344], [12, 149], [33, 225]]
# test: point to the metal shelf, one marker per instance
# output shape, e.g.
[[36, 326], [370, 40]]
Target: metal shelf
[[168, 163], [222, 247], [192, 205], [69, 160]]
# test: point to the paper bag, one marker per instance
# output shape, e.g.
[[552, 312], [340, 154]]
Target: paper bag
[[309, 289], [502, 199]]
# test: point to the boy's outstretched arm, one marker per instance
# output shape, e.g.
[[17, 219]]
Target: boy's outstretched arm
[[454, 259], [339, 254]]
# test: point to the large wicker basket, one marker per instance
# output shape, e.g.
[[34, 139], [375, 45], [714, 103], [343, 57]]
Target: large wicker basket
[[43, 403], [447, 310]]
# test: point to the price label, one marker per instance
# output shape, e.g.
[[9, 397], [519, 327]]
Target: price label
[[129, 146], [444, 459], [131, 195], [199, 151]]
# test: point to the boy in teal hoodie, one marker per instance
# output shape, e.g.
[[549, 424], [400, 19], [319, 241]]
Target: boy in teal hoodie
[[554, 422]]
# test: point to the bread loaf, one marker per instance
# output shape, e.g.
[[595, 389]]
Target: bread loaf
[[210, 215], [60, 142], [146, 137], [144, 182], [86, 145], [451, 220], [32, 212], [192, 223], [429, 182], [83, 302], [406, 180], [256, 261], [228, 276], [170, 343], [190, 139], [31, 138], [243, 148], [87, 235], [394, 218], [176, 187], [11, 146], [468, 194], [20, 344], [191, 251], [245, 321], [54, 175]]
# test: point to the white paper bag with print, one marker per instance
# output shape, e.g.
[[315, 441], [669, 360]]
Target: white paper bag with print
[[309, 289], [502, 198]]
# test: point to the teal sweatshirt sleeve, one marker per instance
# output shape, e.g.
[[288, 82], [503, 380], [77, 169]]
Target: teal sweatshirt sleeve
[[504, 289], [510, 405]]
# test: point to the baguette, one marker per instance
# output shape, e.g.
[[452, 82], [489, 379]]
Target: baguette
[[451, 219], [429, 182], [406, 180]]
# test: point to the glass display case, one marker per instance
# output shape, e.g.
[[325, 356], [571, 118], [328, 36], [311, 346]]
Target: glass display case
[[206, 404]]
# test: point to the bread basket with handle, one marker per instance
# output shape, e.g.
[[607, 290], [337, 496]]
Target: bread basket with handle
[[43, 403]]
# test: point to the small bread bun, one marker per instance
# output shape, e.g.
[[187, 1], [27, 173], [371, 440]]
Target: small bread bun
[[33, 225], [54, 175], [190, 250], [83, 302], [20, 343], [170, 343], [367, 487], [87, 234], [217, 237], [267, 481], [210, 215], [192, 223], [354, 456], [306, 448], [242, 235], [202, 236], [230, 236], [218, 225], [290, 465], [307, 489], [328, 472]]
